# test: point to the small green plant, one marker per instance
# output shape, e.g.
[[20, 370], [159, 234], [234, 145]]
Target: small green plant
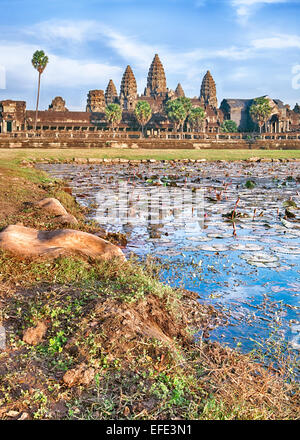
[[250, 184], [57, 343]]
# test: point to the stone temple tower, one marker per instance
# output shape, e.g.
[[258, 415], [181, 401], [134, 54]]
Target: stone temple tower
[[208, 94], [111, 94], [95, 101], [156, 83], [179, 91], [128, 92]]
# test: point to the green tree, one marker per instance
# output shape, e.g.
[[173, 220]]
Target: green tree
[[229, 126], [260, 111], [196, 118], [176, 113], [113, 114], [39, 62], [143, 113], [187, 104]]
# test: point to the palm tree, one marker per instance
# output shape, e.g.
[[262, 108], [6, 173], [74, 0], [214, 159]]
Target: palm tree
[[176, 113], [229, 126], [260, 111], [113, 114], [39, 62], [143, 113], [196, 117], [187, 104]]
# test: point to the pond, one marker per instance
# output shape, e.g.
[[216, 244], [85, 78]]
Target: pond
[[227, 230]]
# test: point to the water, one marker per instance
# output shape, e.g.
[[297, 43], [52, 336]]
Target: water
[[248, 269]]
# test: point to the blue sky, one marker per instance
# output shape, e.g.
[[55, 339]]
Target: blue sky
[[251, 47]]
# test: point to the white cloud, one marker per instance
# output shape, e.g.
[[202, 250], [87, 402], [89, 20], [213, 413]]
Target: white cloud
[[245, 8], [73, 31], [61, 71], [279, 41]]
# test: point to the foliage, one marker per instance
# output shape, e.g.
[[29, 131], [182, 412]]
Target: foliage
[[143, 113], [113, 114], [40, 61], [196, 117], [260, 111], [229, 127], [187, 104], [176, 112]]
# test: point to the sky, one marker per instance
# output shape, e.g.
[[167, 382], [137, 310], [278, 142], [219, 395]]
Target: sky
[[251, 47]]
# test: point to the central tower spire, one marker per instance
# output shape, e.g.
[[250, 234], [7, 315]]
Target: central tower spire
[[208, 93], [156, 83]]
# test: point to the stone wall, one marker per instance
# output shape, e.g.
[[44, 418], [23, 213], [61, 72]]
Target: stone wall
[[160, 144]]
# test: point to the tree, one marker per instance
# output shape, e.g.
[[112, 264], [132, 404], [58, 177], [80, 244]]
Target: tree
[[196, 118], [113, 114], [39, 62], [143, 113], [176, 113], [229, 126], [187, 104], [260, 111]]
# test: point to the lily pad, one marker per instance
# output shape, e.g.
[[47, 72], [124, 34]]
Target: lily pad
[[220, 235], [246, 247], [213, 248], [293, 250], [261, 259]]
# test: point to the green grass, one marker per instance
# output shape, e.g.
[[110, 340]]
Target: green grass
[[16, 156]]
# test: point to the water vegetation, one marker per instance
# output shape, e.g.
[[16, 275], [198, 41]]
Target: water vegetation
[[118, 343]]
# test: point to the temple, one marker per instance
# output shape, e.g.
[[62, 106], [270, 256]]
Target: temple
[[14, 117]]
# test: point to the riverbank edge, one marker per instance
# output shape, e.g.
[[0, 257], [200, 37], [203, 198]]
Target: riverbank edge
[[136, 156]]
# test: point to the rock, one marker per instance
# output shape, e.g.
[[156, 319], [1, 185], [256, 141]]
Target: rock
[[80, 161], [24, 416], [79, 376], [95, 161], [253, 159], [12, 414], [54, 207], [35, 335], [31, 243]]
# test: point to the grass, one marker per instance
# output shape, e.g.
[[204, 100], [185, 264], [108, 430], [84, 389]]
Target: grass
[[17, 155], [122, 338]]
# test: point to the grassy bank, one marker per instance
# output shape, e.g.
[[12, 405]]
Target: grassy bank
[[117, 343], [112, 153]]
